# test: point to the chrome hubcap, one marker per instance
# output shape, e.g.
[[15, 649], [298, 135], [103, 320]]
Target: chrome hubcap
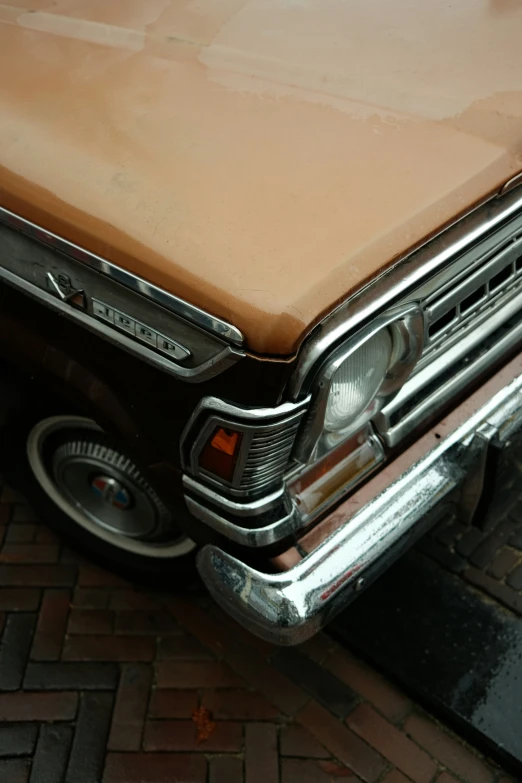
[[102, 489], [109, 488]]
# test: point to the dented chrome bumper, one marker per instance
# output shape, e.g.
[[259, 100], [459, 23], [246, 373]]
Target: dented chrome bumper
[[289, 607]]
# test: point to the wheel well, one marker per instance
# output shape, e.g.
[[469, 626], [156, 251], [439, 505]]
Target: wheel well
[[20, 389]]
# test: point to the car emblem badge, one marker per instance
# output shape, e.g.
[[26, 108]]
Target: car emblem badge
[[112, 491]]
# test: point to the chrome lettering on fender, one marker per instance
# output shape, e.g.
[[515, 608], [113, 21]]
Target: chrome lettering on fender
[[142, 332]]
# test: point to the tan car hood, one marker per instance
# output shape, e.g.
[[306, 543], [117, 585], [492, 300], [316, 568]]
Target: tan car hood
[[259, 158]]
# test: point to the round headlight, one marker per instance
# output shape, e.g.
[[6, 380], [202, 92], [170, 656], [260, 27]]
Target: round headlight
[[357, 381]]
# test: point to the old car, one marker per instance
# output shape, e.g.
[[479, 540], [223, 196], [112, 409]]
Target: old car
[[261, 284]]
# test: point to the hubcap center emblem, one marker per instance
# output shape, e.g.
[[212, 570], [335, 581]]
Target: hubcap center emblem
[[112, 491]]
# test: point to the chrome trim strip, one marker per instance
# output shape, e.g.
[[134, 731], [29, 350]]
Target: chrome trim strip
[[216, 364], [512, 183], [466, 262], [249, 414], [405, 274], [248, 509], [289, 607], [246, 536], [171, 302]]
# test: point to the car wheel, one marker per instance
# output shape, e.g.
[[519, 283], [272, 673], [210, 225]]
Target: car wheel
[[94, 495]]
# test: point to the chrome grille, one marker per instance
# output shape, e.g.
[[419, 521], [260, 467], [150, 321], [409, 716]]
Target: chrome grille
[[268, 454], [473, 318], [479, 293]]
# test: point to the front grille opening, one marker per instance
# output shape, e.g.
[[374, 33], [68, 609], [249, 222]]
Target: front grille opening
[[501, 277], [484, 285], [442, 322], [473, 299]]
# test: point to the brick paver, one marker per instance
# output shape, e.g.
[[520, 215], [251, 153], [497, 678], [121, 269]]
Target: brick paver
[[102, 682], [490, 559]]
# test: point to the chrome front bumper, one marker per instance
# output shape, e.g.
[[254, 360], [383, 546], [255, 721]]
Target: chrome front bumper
[[445, 466]]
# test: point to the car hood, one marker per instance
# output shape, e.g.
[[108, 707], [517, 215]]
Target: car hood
[[259, 158]]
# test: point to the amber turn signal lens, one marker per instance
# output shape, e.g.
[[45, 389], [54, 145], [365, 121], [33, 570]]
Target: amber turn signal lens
[[225, 441], [219, 454]]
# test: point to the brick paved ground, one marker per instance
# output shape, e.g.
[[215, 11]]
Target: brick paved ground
[[101, 681], [490, 559]]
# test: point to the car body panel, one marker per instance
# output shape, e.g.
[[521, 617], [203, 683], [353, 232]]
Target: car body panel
[[260, 159]]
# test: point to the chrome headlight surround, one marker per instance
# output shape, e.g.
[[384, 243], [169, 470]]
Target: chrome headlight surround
[[405, 327]]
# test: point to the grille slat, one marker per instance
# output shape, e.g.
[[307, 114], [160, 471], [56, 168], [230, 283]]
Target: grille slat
[[266, 460], [268, 454], [271, 448], [485, 289], [260, 472], [264, 466], [272, 440]]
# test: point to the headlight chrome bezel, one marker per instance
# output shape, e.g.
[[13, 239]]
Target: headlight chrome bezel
[[406, 325]]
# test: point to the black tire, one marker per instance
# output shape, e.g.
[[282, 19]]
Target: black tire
[[164, 555]]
